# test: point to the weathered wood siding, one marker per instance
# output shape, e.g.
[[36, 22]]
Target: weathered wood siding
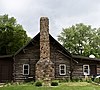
[[98, 68], [78, 68], [58, 57], [29, 55]]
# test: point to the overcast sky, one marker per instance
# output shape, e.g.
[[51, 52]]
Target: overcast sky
[[61, 13]]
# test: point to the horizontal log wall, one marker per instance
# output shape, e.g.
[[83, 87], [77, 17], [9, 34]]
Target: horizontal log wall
[[29, 55], [78, 68], [78, 71], [58, 58], [98, 69]]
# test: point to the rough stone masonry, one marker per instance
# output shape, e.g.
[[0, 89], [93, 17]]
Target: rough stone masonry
[[44, 67]]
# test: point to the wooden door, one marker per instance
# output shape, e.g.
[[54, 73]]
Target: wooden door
[[5, 70]]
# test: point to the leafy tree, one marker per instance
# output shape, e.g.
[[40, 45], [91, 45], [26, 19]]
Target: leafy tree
[[81, 39], [12, 35]]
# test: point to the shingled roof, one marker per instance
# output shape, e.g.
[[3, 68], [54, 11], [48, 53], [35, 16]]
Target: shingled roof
[[6, 56], [84, 58], [37, 37]]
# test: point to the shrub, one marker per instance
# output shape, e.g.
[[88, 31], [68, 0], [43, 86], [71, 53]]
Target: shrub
[[68, 80], [64, 80], [76, 79], [54, 83], [81, 80], [38, 83]]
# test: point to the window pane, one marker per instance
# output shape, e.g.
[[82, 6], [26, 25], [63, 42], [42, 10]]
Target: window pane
[[62, 72], [25, 66], [86, 70], [62, 67], [86, 67], [25, 71]]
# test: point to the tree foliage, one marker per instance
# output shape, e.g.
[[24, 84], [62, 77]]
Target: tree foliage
[[81, 39], [12, 35]]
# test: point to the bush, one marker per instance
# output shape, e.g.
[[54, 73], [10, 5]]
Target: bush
[[75, 79], [64, 80], [81, 80], [61, 81], [54, 83], [38, 83]]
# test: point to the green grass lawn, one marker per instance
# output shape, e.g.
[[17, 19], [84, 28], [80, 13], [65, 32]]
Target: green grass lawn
[[63, 86]]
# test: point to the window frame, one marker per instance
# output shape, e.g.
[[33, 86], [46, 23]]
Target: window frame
[[88, 69], [63, 69], [24, 69]]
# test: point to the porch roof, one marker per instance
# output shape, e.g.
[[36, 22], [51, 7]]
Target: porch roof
[[85, 58], [6, 56]]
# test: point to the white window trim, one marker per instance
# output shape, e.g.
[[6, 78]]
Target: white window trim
[[60, 69], [88, 70], [23, 69]]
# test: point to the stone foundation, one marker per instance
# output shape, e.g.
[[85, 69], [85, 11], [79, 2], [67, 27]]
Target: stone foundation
[[44, 70]]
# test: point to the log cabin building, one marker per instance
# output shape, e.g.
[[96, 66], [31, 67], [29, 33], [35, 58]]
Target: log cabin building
[[44, 58]]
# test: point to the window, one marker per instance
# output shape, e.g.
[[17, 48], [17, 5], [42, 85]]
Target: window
[[25, 69], [62, 69], [86, 70]]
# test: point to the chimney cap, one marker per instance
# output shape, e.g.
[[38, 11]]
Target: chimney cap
[[42, 18]]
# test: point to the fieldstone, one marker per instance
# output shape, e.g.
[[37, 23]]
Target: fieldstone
[[44, 67]]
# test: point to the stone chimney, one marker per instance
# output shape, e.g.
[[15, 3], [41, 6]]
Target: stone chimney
[[44, 67], [44, 39]]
